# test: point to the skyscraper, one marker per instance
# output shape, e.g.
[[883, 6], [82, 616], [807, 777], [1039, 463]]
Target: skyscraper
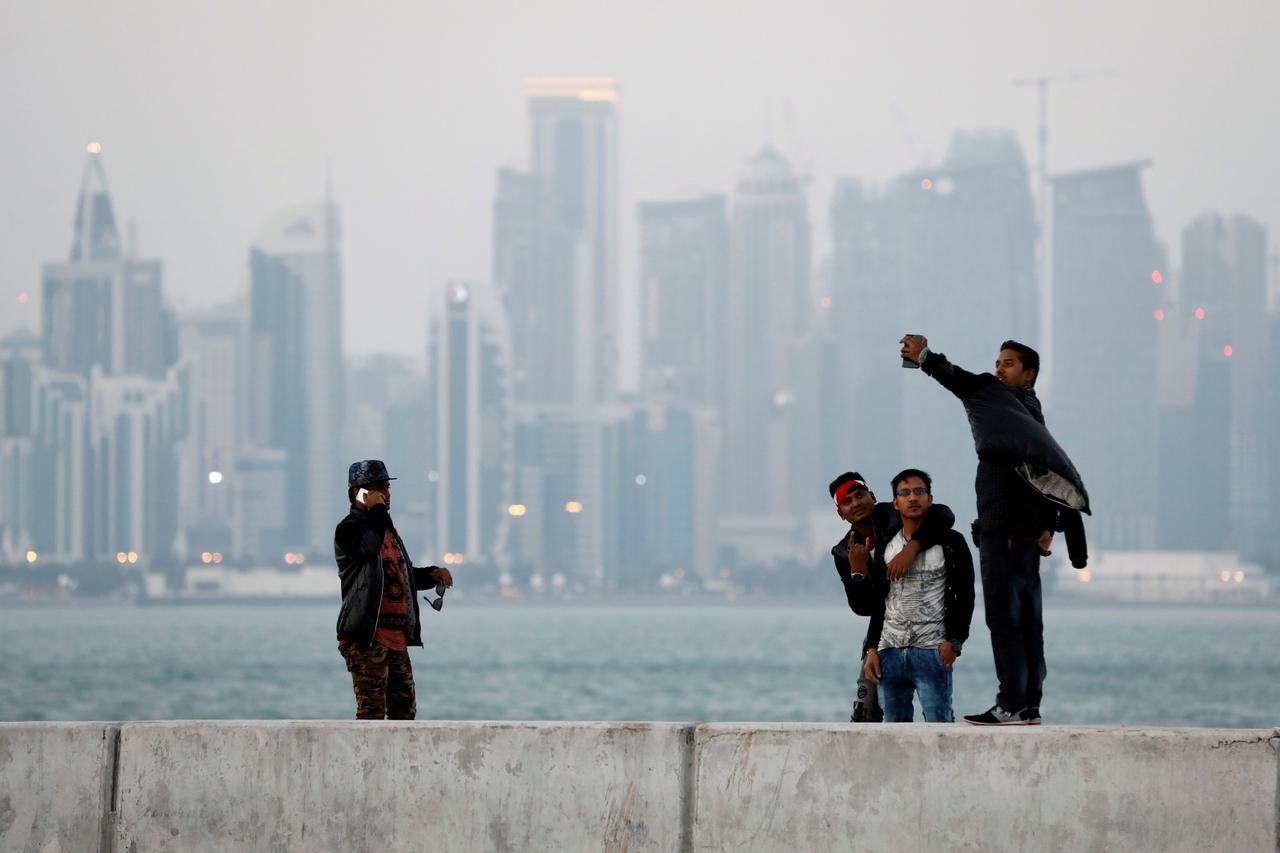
[[1272, 416], [534, 271], [212, 381], [468, 363], [25, 493], [769, 451], [295, 345], [1222, 300], [560, 487], [659, 493], [1108, 271], [51, 505], [960, 243], [102, 415], [863, 317], [556, 244], [135, 425], [103, 307], [684, 258]]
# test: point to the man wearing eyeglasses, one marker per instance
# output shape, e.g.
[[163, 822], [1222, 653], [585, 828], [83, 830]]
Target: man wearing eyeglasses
[[379, 618], [870, 523], [1026, 488], [920, 620]]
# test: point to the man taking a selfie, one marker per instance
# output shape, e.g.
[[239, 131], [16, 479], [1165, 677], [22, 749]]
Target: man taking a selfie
[[379, 618], [1027, 489]]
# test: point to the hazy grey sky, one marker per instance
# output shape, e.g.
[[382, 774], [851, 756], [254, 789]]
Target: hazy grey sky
[[214, 115]]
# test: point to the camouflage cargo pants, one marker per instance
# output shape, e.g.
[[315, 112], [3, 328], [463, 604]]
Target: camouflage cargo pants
[[383, 682]]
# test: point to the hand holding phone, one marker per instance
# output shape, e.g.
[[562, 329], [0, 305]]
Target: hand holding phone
[[912, 346], [369, 498]]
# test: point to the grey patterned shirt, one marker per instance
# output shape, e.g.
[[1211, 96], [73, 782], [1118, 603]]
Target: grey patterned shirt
[[915, 611]]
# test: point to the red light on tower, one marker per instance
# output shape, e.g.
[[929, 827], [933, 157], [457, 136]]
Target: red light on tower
[[24, 298], [1156, 276], [1199, 313], [1227, 351], [1159, 313]]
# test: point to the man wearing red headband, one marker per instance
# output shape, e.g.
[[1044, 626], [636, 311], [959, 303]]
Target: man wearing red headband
[[871, 523]]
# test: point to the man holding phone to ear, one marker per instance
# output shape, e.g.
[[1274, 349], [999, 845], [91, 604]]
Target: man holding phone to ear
[[379, 618]]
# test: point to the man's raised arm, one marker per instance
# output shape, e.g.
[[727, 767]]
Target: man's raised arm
[[955, 379], [361, 538]]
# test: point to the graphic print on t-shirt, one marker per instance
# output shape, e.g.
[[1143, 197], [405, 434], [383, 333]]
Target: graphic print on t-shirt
[[393, 620]]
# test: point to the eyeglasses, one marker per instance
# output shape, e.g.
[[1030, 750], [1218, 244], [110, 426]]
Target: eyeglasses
[[439, 602], [918, 491]]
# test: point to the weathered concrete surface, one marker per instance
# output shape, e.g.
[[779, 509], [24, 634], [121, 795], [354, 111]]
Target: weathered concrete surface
[[55, 785], [924, 788], [348, 786]]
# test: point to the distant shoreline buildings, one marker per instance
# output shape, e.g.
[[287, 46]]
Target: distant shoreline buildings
[[132, 437]]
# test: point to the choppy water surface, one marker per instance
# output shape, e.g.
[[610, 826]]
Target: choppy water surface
[[1183, 666]]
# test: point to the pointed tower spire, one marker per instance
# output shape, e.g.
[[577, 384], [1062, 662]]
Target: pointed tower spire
[[96, 235]]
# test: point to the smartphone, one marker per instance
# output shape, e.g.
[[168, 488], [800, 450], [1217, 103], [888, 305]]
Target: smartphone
[[906, 362], [362, 494]]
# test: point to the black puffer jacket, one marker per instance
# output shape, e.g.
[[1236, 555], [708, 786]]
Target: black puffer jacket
[[1002, 426], [357, 546], [1005, 430]]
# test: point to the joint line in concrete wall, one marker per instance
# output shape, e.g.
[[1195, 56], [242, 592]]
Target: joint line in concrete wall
[[111, 791], [688, 785]]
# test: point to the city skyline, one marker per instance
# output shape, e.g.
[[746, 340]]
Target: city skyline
[[923, 220], [558, 414]]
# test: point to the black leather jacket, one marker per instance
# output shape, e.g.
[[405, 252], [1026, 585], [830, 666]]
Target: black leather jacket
[[357, 546], [938, 522], [959, 589]]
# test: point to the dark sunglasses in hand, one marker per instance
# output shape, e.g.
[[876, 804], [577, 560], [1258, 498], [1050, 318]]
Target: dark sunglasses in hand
[[439, 602]]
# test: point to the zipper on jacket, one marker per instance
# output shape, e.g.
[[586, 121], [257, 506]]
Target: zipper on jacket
[[406, 566], [382, 580]]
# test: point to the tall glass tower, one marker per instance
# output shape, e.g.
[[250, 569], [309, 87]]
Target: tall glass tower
[[296, 365], [468, 362], [556, 244]]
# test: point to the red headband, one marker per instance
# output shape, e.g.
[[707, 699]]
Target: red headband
[[843, 491]]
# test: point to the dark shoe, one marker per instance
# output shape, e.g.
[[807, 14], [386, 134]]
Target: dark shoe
[[1031, 716], [866, 714], [997, 716]]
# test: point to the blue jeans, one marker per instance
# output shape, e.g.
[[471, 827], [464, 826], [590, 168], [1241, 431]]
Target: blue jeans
[[906, 672]]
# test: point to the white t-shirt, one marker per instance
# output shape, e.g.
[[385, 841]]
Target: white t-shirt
[[915, 611]]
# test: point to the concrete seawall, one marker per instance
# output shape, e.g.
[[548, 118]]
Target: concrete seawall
[[347, 786]]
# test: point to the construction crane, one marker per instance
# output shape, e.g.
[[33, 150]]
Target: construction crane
[[1041, 83]]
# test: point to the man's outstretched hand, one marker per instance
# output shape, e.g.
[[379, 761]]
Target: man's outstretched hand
[[443, 576], [912, 347]]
